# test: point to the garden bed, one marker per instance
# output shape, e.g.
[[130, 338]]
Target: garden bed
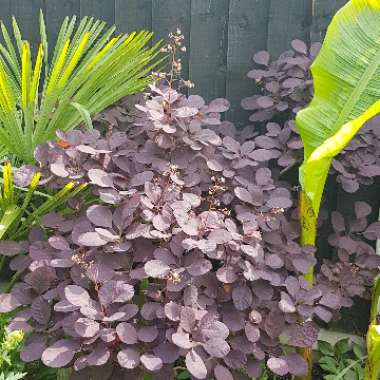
[[144, 236]]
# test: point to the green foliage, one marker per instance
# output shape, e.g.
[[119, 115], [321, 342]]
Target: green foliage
[[346, 78], [11, 367], [37, 370], [375, 301], [89, 70], [22, 208], [12, 376], [183, 374], [342, 361], [373, 348]]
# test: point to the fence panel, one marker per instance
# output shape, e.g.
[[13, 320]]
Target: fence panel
[[220, 35], [247, 33]]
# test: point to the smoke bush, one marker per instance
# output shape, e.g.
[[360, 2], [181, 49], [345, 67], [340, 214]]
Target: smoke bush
[[189, 258]]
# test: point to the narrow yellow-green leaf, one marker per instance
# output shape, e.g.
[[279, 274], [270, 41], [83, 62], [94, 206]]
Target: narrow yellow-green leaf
[[86, 117], [73, 62], [25, 74], [58, 67], [36, 74]]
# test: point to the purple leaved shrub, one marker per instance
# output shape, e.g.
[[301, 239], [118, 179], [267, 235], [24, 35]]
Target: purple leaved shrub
[[352, 272], [188, 258], [286, 87]]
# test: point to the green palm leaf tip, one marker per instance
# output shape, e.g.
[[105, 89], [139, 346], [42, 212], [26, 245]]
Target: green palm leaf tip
[[347, 87], [90, 70]]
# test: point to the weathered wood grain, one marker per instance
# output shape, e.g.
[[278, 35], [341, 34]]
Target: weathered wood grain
[[208, 47], [288, 20], [247, 34]]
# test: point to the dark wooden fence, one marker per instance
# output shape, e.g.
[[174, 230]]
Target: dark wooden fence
[[221, 35]]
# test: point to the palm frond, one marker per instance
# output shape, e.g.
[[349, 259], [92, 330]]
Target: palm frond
[[90, 69]]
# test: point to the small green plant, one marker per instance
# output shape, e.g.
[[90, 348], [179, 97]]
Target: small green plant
[[12, 376], [11, 367], [90, 70], [344, 360], [20, 208], [372, 369]]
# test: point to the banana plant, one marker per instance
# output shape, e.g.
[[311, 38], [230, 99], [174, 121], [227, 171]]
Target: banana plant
[[372, 369], [346, 77], [90, 69]]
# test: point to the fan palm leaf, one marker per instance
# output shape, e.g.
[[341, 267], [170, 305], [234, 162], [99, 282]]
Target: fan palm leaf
[[90, 69]]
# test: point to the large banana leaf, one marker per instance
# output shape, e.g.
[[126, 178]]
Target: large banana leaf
[[347, 87]]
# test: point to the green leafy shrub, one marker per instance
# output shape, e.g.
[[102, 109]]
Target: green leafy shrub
[[11, 367], [344, 360]]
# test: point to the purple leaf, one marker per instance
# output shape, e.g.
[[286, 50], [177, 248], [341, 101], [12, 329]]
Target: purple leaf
[[128, 358], [10, 248], [156, 269], [147, 334], [77, 296], [299, 46], [278, 366], [279, 202], [127, 333], [252, 332], [286, 304], [222, 373], [199, 267], [100, 216], [217, 347], [8, 303], [141, 178], [296, 364], [100, 178], [91, 239], [196, 365], [115, 291], [86, 328], [60, 354], [99, 356], [242, 297], [262, 58], [41, 310], [32, 352], [218, 105], [151, 362]]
